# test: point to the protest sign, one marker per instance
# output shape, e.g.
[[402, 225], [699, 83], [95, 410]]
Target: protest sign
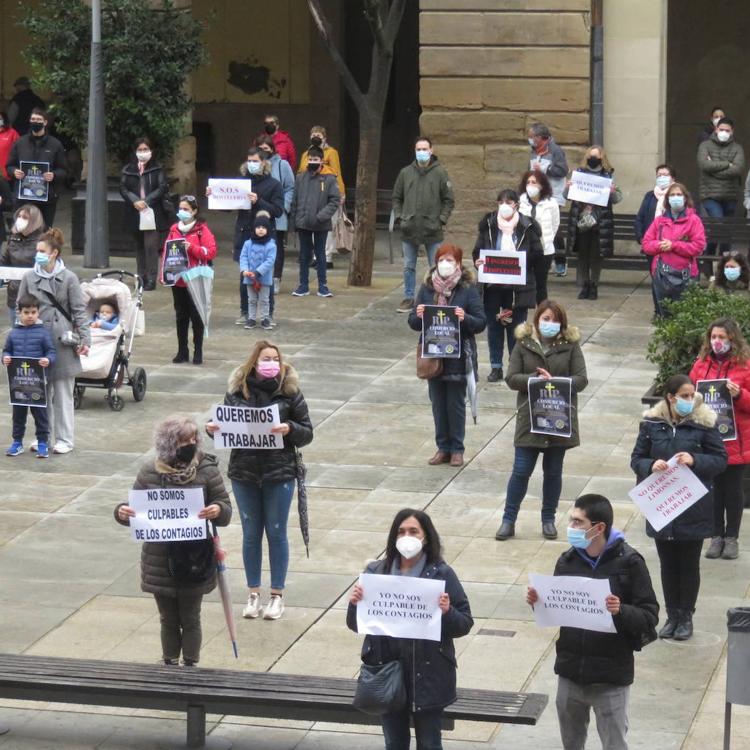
[[33, 186], [589, 188], [229, 195], [441, 332], [400, 607], [502, 267], [247, 427], [12, 273], [550, 407], [664, 495], [167, 514], [175, 261], [27, 381], [573, 602], [716, 397]]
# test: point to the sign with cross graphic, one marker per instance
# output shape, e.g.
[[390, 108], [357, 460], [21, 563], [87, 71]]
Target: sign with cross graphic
[[441, 332], [716, 397], [28, 382], [550, 406]]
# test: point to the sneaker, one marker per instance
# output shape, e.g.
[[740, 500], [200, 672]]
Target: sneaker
[[406, 306], [301, 291], [272, 322], [324, 291], [561, 269], [265, 324], [250, 324], [715, 548], [16, 448], [241, 320], [42, 450], [276, 285], [252, 608], [61, 447], [274, 609], [731, 549]]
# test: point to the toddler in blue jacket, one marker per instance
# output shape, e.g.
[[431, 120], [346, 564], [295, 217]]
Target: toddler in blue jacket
[[29, 339], [256, 265]]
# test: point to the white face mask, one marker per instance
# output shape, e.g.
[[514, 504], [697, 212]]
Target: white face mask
[[409, 546], [715, 121], [446, 268], [723, 135], [533, 191], [143, 156], [505, 211], [21, 224]]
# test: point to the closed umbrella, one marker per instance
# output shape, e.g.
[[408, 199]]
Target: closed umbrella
[[471, 382], [226, 597], [304, 522], [200, 282]]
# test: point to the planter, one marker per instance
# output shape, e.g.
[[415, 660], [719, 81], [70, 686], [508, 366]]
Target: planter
[[651, 396]]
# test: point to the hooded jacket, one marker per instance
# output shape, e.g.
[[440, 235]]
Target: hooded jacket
[[429, 666], [155, 188], [259, 466], [316, 200], [19, 251], [710, 368], [589, 657], [721, 166], [270, 198], [258, 257], [562, 359], [688, 239], [605, 220], [45, 148], [33, 342], [660, 438], [331, 165], [284, 146]]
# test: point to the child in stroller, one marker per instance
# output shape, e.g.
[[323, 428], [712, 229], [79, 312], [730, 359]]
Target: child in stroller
[[105, 317]]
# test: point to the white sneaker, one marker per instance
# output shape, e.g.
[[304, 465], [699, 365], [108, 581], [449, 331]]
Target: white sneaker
[[61, 447], [274, 609], [252, 608]]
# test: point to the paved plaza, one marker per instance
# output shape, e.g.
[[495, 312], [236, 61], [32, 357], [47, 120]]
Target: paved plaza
[[69, 575]]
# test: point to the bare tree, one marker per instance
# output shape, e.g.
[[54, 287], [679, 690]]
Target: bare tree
[[384, 18]]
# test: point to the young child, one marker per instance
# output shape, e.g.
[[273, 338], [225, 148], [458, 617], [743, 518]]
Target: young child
[[256, 265], [29, 338], [105, 317]]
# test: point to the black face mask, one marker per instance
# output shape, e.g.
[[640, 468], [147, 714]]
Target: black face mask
[[186, 453], [36, 127], [594, 162], [316, 141], [270, 128], [313, 168]]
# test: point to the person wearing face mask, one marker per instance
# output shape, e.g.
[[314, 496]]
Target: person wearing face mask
[[673, 242], [732, 274], [39, 146], [180, 463], [683, 428], [548, 348], [20, 250], [717, 114], [449, 283], [594, 669], [506, 306], [8, 136], [283, 144], [725, 354], [413, 550], [201, 250], [591, 229], [63, 312], [422, 204], [143, 186], [721, 164], [263, 481]]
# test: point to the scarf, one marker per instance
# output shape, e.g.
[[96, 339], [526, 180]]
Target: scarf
[[262, 389], [41, 270], [185, 228], [507, 227], [178, 474], [444, 286], [660, 193]]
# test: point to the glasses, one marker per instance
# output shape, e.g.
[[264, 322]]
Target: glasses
[[189, 198]]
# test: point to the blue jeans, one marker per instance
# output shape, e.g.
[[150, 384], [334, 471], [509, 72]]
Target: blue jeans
[[523, 468], [410, 264], [310, 242], [717, 209], [449, 413], [427, 729], [495, 299], [266, 508]]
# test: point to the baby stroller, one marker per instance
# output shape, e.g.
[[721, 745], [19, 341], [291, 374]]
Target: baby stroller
[[107, 365]]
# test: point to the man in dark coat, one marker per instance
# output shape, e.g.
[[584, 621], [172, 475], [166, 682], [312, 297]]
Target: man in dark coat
[[22, 104], [595, 669]]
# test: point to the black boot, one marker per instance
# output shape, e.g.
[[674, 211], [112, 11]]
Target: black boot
[[197, 348], [183, 354], [593, 292], [584, 293], [673, 617], [684, 629]]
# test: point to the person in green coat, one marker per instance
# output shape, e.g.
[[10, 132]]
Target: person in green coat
[[548, 348]]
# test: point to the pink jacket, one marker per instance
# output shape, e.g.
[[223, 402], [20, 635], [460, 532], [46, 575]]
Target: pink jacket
[[687, 236]]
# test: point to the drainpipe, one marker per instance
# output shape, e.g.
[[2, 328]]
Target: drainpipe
[[597, 72]]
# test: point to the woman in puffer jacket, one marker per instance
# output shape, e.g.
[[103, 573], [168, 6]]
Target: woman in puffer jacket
[[263, 480]]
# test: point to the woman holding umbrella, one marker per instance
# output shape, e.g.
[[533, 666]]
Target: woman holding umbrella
[[263, 480]]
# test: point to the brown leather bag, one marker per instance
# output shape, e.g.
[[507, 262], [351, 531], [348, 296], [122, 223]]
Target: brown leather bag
[[428, 367]]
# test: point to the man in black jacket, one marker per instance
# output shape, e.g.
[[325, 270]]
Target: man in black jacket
[[595, 670], [39, 146]]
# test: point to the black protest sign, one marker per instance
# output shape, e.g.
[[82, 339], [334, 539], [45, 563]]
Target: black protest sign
[[33, 186], [441, 332], [716, 397], [175, 260], [28, 382], [549, 406]]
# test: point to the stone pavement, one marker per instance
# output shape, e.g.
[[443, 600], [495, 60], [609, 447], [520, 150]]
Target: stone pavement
[[69, 574]]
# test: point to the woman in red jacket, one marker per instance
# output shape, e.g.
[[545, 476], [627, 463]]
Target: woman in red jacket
[[726, 354], [674, 240], [201, 249]]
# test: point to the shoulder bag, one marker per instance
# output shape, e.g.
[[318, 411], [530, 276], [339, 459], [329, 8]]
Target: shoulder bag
[[380, 688], [428, 367]]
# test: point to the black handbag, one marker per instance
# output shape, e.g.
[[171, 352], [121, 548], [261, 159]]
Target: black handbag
[[380, 688], [192, 562], [670, 282]]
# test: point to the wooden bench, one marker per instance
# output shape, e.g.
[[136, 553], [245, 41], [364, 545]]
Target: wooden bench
[[197, 691]]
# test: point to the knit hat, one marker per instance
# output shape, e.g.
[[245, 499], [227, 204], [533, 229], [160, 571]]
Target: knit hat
[[263, 219], [453, 251]]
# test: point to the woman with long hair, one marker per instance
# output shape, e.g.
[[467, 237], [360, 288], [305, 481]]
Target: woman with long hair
[[732, 274]]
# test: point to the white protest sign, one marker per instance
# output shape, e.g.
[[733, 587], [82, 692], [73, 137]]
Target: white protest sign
[[589, 188], [247, 427], [11, 273], [400, 606], [167, 514], [664, 495], [573, 602], [502, 267], [229, 195]]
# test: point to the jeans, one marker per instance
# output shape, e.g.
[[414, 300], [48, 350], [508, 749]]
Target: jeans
[[729, 501], [41, 420], [449, 413], [494, 301], [309, 243], [264, 507], [260, 299], [186, 313], [610, 703], [716, 209], [180, 625], [523, 467], [427, 729], [410, 264], [680, 571]]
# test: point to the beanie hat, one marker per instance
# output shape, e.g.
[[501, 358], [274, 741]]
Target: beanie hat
[[453, 251], [263, 219]]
